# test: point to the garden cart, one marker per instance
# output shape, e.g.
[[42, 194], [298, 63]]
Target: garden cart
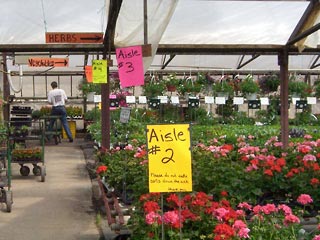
[[5, 173], [28, 148]]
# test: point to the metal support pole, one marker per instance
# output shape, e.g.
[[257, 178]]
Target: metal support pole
[[283, 62], [145, 21], [105, 112], [6, 88]]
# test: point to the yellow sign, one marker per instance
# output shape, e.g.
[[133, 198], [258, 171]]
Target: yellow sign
[[99, 71], [169, 157]]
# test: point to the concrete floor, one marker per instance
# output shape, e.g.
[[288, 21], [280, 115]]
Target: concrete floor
[[59, 208]]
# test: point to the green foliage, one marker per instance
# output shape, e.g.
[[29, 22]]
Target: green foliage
[[86, 88], [172, 80], [189, 86], [224, 87], [299, 87], [154, 87], [45, 111], [93, 114], [73, 111], [269, 83], [249, 85]]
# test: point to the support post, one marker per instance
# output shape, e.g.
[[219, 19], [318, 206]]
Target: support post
[[105, 112], [6, 88], [284, 94]]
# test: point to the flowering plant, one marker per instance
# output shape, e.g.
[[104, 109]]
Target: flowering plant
[[101, 170], [198, 216]]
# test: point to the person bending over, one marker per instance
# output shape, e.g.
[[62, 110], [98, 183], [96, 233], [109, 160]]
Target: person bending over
[[57, 98]]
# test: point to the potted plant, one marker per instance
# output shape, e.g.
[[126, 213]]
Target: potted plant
[[153, 87], [223, 89], [189, 86], [249, 87], [89, 89], [45, 111], [299, 89], [74, 112], [269, 83], [26, 153], [316, 88], [172, 82]]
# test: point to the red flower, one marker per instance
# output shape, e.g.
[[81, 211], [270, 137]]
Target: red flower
[[224, 193], [223, 231], [101, 169], [314, 181], [151, 206], [268, 172], [228, 147], [281, 162]]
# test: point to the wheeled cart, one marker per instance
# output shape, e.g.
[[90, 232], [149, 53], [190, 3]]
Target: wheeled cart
[[5, 173], [52, 133], [28, 149]]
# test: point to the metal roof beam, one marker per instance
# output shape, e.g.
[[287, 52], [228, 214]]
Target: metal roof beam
[[254, 56], [315, 64], [52, 48], [164, 64], [303, 28]]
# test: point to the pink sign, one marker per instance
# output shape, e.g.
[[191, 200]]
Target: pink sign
[[130, 66]]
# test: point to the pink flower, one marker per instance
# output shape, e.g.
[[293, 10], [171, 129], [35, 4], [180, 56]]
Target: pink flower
[[304, 199], [278, 144], [309, 157], [291, 219], [245, 205], [220, 213], [286, 209], [144, 162], [316, 237], [152, 218], [269, 208], [244, 233], [238, 224], [171, 218], [307, 137], [129, 147]]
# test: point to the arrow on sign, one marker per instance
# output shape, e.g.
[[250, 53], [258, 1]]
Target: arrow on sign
[[48, 62], [96, 38], [74, 37]]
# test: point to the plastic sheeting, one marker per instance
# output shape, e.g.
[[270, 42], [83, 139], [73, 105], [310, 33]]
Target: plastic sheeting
[[233, 22], [130, 24], [25, 22], [201, 22], [192, 22]]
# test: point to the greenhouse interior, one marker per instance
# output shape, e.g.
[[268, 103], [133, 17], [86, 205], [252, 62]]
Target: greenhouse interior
[[203, 116]]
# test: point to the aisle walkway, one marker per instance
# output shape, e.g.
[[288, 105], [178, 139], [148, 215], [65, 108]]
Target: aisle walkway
[[59, 208]]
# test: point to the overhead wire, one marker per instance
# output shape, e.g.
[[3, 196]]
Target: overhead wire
[[44, 16]]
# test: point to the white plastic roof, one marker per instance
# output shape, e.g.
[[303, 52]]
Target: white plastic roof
[[193, 22], [26, 22], [201, 22]]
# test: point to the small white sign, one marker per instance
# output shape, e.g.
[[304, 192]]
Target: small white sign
[[163, 99], [264, 101], [125, 114], [174, 100], [209, 99], [294, 100], [96, 98], [311, 100], [142, 99], [130, 99], [220, 100], [238, 100]]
